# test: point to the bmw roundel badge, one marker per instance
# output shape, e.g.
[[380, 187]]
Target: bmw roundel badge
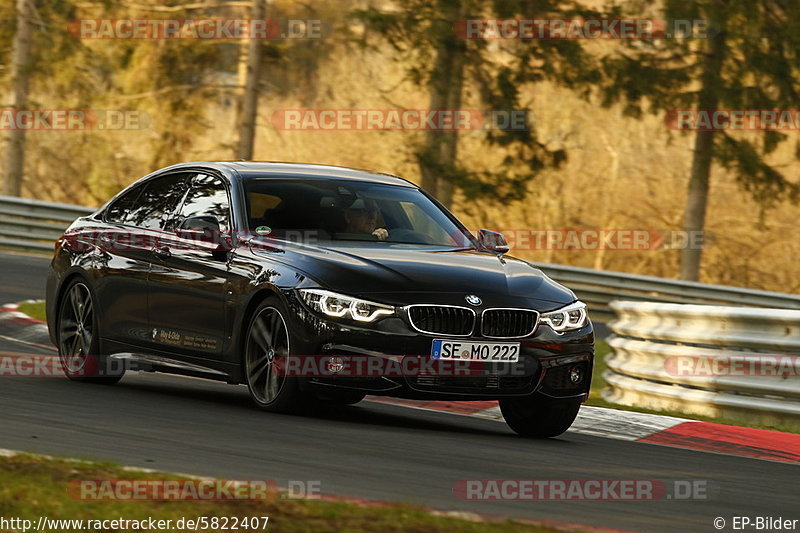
[[472, 299]]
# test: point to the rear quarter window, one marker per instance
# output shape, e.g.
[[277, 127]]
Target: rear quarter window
[[119, 211], [149, 204]]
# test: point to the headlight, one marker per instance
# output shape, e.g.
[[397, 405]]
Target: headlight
[[338, 305], [567, 318]]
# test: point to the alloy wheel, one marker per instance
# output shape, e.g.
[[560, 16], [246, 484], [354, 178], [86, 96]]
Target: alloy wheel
[[76, 328], [267, 348]]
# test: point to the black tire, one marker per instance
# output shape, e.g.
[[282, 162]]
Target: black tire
[[79, 338], [539, 417], [266, 345], [341, 397]]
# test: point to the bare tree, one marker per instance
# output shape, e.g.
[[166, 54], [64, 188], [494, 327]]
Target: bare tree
[[20, 76], [248, 106], [745, 58], [439, 58], [445, 92], [697, 199]]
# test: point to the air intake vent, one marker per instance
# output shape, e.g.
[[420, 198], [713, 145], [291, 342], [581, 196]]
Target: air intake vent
[[442, 320], [508, 323]]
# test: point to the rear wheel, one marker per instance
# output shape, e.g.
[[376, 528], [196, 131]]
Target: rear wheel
[[539, 417], [79, 338], [267, 345]]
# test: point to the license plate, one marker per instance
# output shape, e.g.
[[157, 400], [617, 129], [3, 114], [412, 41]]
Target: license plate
[[492, 352]]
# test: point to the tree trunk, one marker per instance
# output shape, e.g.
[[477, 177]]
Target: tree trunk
[[697, 199], [20, 77], [440, 151], [248, 104]]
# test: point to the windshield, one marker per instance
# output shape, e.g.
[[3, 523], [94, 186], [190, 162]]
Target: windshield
[[324, 210]]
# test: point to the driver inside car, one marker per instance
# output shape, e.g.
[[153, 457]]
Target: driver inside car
[[362, 217]]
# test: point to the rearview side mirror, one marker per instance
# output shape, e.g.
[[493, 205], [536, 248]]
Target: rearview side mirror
[[492, 241], [204, 229], [200, 223]]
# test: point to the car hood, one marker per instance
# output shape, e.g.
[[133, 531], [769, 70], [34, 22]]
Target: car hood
[[387, 272]]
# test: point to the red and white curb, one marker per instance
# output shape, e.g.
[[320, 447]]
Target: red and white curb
[[648, 428], [19, 327], [596, 421]]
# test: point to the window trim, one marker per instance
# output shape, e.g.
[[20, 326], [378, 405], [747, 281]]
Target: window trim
[[141, 185], [194, 176], [136, 187]]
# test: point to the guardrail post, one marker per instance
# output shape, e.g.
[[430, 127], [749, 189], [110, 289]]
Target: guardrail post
[[737, 363]]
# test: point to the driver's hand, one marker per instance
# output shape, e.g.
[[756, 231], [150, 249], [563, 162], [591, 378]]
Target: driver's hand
[[381, 233]]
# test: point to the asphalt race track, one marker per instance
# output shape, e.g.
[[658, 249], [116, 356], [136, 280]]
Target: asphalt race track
[[374, 451]]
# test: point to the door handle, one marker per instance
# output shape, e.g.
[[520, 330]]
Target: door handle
[[163, 253]]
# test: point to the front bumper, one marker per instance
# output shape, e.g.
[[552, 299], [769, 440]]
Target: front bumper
[[548, 363]]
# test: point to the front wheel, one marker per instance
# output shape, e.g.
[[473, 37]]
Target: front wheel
[[539, 417], [267, 347]]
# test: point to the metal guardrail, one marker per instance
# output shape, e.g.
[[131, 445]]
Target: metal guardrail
[[598, 288], [33, 225], [730, 362]]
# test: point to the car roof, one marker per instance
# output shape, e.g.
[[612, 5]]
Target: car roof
[[272, 169]]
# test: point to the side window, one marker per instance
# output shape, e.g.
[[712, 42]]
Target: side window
[[119, 211], [158, 201], [261, 202], [206, 197]]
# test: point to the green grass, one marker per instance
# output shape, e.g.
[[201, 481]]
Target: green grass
[[33, 486], [34, 309]]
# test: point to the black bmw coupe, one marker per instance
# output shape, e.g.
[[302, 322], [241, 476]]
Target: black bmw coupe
[[310, 284]]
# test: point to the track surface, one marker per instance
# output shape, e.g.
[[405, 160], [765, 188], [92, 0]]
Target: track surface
[[372, 450]]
